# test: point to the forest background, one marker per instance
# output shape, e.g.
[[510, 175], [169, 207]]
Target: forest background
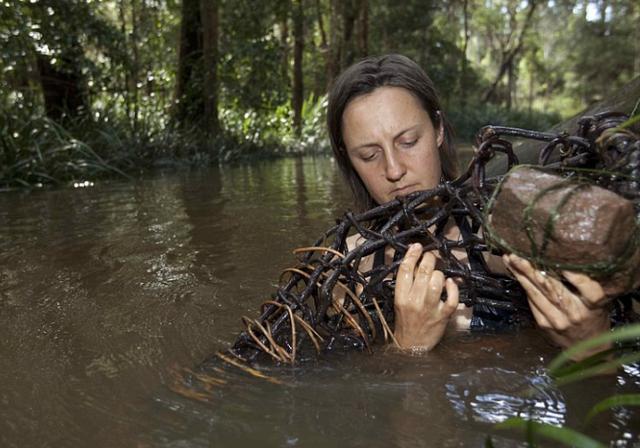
[[96, 87]]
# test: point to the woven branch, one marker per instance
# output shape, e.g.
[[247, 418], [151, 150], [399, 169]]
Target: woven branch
[[326, 301]]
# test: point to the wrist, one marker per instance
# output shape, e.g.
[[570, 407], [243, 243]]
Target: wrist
[[417, 342]]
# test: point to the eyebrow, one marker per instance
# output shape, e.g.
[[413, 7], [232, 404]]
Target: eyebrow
[[404, 131]]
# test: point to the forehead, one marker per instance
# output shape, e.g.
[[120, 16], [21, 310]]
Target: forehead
[[385, 110]]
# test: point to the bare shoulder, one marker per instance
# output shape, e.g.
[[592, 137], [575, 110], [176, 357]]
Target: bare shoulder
[[355, 241]]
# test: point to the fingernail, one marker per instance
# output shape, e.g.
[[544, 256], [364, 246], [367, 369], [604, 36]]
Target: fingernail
[[416, 246]]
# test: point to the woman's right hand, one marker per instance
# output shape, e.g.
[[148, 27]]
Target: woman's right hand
[[567, 316], [420, 316]]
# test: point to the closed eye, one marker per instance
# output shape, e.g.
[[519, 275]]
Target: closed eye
[[408, 144], [368, 157]]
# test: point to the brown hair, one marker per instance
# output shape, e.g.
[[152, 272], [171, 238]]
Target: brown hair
[[364, 77]]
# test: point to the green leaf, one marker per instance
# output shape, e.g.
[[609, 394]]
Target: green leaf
[[630, 122], [566, 436], [612, 402], [597, 369], [618, 335], [585, 363]]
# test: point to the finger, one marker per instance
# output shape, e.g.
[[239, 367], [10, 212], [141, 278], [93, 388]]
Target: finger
[[404, 278], [591, 291], [557, 292], [436, 284], [423, 275], [553, 305], [534, 293], [541, 319], [538, 315], [572, 305], [540, 279], [451, 304], [530, 288], [552, 289]]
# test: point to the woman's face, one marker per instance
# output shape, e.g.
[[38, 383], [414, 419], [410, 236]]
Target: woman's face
[[391, 143]]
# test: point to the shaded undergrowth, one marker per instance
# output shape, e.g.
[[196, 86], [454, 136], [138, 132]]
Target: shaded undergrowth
[[36, 151]]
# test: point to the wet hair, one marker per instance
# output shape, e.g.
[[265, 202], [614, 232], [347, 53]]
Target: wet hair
[[362, 78]]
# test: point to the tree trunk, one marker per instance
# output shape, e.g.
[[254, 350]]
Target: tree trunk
[[135, 68], [323, 34], [322, 53], [363, 28], [511, 85], [334, 56], [188, 102], [298, 48], [603, 17], [64, 90], [636, 39], [465, 45], [348, 51], [209, 12], [126, 72], [509, 55], [531, 83], [284, 39]]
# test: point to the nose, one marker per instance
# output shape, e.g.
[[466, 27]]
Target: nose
[[395, 168]]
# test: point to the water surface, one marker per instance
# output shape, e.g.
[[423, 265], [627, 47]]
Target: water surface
[[104, 290]]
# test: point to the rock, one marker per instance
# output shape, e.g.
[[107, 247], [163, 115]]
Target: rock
[[563, 224]]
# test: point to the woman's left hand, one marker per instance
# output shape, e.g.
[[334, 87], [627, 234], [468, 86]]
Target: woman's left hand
[[567, 317]]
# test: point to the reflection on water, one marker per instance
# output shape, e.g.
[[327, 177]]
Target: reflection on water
[[104, 290], [493, 395]]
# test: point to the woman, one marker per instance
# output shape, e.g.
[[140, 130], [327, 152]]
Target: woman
[[390, 138]]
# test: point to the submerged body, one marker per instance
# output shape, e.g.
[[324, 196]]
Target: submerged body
[[391, 138]]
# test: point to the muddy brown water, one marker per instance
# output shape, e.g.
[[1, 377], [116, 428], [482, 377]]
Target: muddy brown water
[[104, 289]]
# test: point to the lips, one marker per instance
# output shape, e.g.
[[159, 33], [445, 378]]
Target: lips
[[403, 191]]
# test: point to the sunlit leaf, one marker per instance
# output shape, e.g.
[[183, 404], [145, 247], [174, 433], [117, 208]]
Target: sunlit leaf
[[588, 362], [626, 333], [612, 402], [598, 369], [563, 435]]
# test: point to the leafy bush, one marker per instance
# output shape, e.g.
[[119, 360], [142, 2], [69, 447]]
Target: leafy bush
[[469, 119]]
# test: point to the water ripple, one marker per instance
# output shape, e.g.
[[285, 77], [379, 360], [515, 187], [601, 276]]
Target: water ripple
[[492, 395]]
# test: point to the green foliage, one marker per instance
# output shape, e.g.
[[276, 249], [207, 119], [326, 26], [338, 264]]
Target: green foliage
[[620, 335], [250, 68], [313, 138], [468, 119], [602, 56], [251, 132], [35, 150], [614, 401], [535, 430], [625, 339], [120, 59], [39, 151]]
